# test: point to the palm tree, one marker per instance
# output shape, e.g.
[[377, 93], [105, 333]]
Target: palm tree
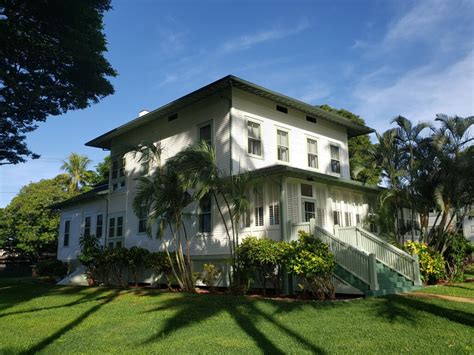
[[76, 167], [409, 136], [198, 170]]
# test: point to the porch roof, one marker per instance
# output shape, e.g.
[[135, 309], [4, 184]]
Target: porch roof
[[288, 171], [353, 129]]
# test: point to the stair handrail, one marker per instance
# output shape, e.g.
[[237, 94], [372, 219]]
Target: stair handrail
[[409, 268], [369, 275]]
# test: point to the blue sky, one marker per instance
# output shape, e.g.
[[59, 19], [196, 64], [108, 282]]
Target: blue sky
[[375, 58]]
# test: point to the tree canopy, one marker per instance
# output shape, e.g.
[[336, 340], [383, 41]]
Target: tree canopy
[[51, 61], [358, 148]]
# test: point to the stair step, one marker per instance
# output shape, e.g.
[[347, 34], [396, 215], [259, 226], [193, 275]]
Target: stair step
[[391, 291]]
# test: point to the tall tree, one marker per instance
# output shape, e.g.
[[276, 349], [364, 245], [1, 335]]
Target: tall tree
[[358, 148], [409, 136], [29, 225], [76, 169], [51, 61]]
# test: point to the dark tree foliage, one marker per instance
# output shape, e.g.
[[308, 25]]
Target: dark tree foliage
[[358, 148], [51, 61]]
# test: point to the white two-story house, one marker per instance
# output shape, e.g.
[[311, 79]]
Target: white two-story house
[[300, 150]]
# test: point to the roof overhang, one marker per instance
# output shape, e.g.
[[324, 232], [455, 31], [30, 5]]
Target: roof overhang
[[353, 129], [288, 171]]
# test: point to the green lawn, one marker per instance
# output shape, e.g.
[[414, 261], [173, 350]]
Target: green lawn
[[53, 319], [465, 289]]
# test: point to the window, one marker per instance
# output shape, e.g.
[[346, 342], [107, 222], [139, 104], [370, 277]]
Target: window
[[348, 219], [281, 109], [99, 226], [306, 190], [336, 215], [145, 160], [119, 231], [205, 214], [258, 195], [309, 210], [118, 174], [357, 219], [67, 227], [254, 138], [205, 133], [312, 147], [282, 146], [311, 119], [172, 117], [87, 226], [142, 219], [335, 162], [274, 208], [111, 227]]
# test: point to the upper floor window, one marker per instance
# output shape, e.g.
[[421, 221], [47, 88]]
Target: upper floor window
[[67, 227], [87, 226], [115, 227], [254, 138], [283, 146], [335, 160], [205, 214], [142, 219], [312, 147], [306, 190], [145, 160], [205, 133], [118, 174], [99, 226]]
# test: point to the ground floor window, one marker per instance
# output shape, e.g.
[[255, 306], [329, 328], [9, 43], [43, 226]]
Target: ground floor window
[[205, 214], [142, 218], [67, 228], [336, 215], [258, 200], [87, 226], [309, 209]]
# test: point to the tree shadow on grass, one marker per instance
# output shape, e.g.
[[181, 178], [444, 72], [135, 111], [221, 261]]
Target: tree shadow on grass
[[90, 297], [71, 325], [398, 308], [243, 311]]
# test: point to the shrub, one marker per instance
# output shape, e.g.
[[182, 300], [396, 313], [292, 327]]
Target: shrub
[[431, 261], [457, 256], [210, 276], [137, 259], [90, 251], [51, 268], [263, 258], [160, 264], [310, 259]]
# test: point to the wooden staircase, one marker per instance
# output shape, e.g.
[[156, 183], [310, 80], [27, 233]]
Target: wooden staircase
[[368, 263]]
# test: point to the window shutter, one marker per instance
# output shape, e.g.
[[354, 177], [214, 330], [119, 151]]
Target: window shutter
[[292, 197]]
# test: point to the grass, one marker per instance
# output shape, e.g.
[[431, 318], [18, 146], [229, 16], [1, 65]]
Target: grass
[[36, 317], [457, 289]]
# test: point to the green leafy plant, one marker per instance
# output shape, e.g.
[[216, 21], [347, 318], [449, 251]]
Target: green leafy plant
[[52, 268], [210, 276], [90, 252], [161, 265], [431, 261], [310, 259], [457, 256], [137, 259]]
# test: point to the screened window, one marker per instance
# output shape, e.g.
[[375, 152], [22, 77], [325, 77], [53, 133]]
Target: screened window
[[142, 218], [258, 194], [87, 226], [309, 210], [282, 146], [111, 227], [67, 227], [205, 214], [348, 219], [335, 161], [312, 147], [99, 226], [306, 190], [336, 215], [357, 219], [254, 138], [274, 208], [205, 133], [119, 231], [118, 174]]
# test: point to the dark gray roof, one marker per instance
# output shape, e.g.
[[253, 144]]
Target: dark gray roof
[[353, 129]]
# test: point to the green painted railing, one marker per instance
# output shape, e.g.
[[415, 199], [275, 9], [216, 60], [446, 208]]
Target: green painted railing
[[393, 257], [356, 262]]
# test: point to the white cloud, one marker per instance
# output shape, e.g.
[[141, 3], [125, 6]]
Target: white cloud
[[419, 94], [247, 41]]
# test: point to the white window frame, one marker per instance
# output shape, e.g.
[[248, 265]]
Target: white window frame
[[84, 224], [121, 179], [273, 204], [68, 220], [308, 153], [260, 123], [114, 239], [262, 189], [331, 159], [287, 131], [102, 226], [201, 213], [203, 124]]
